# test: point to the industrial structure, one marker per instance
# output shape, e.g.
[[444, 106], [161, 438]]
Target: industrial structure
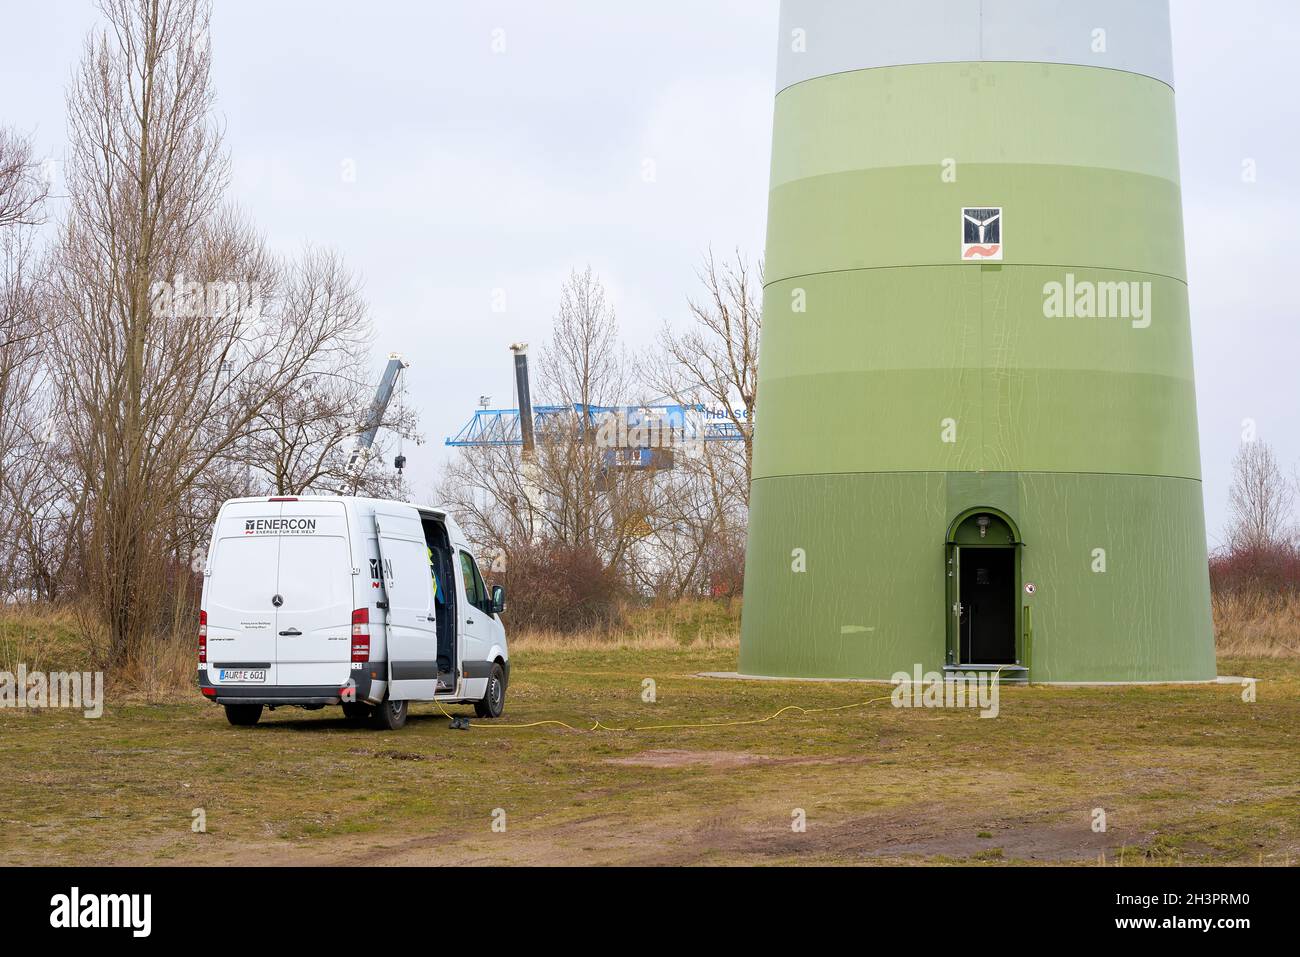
[[975, 253], [365, 442], [643, 433]]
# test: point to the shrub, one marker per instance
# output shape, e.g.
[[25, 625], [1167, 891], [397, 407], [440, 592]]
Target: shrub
[[1256, 600], [555, 586], [1265, 570]]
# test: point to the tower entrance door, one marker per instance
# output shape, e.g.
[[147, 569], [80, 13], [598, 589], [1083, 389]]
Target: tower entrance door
[[988, 606], [983, 591]]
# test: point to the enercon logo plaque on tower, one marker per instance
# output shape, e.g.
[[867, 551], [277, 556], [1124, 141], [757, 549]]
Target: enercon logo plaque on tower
[[981, 233]]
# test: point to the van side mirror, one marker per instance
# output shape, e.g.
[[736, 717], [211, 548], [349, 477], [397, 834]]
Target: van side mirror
[[498, 599]]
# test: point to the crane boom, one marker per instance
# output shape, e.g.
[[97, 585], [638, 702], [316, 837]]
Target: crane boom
[[383, 395]]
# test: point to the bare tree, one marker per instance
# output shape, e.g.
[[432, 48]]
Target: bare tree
[[23, 188], [32, 560], [1259, 501], [570, 495], [584, 364], [702, 505], [41, 500], [487, 489], [21, 411], [715, 359], [301, 439], [670, 523], [177, 329]]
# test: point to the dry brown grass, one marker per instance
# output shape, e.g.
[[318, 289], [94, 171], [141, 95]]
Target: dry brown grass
[[660, 640], [41, 637], [68, 638], [163, 669], [1255, 625], [683, 624]]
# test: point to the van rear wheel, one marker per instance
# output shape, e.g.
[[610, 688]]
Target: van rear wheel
[[494, 699], [389, 716], [243, 715]]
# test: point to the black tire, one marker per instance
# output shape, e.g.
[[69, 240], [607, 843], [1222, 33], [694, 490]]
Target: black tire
[[243, 715], [356, 711], [493, 704], [389, 716]]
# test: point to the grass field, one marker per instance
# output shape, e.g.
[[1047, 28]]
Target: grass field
[[1185, 774]]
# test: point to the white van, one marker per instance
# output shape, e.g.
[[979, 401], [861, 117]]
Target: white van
[[364, 603]]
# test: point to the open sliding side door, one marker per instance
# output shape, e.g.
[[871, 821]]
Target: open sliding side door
[[385, 601], [409, 622]]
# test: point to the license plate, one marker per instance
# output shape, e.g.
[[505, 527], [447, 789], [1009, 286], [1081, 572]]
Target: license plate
[[246, 676]]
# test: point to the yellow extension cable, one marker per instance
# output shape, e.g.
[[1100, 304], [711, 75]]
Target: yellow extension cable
[[598, 726]]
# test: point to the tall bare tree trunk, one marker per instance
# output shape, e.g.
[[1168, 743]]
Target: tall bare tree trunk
[[177, 329]]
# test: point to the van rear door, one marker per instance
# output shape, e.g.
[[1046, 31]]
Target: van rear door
[[241, 613], [315, 585]]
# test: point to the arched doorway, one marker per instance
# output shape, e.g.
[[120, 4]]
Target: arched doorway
[[983, 574]]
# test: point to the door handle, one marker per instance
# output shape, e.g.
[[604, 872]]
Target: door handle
[[469, 621], [290, 633], [430, 618]]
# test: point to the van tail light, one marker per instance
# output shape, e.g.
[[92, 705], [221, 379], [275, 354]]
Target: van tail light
[[361, 635], [203, 637]]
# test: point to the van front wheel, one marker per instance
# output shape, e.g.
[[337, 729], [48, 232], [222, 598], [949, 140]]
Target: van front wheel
[[389, 716], [243, 715], [494, 699]]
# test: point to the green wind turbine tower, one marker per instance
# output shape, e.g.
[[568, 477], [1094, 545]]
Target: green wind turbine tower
[[977, 441]]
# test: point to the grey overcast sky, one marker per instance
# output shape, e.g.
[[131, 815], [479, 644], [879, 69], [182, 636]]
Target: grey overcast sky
[[478, 171]]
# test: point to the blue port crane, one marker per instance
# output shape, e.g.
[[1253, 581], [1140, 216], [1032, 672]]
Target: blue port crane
[[638, 436], [496, 427]]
